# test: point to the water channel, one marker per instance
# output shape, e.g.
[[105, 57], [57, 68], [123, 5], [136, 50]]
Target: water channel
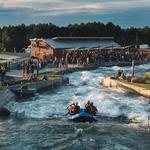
[[40, 123]]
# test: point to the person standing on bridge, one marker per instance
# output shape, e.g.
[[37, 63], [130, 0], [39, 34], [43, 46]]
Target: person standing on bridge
[[3, 73]]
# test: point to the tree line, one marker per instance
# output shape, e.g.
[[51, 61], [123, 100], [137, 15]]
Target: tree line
[[17, 37]]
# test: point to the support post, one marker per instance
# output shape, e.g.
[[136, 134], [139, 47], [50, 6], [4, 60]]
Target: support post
[[133, 65], [7, 95], [21, 89], [66, 60], [148, 116]]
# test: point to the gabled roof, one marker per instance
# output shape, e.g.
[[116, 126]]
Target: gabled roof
[[77, 42]]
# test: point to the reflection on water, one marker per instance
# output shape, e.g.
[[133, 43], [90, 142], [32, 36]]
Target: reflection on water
[[41, 119], [62, 135]]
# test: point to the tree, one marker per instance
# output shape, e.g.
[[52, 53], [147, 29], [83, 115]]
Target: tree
[[18, 36]]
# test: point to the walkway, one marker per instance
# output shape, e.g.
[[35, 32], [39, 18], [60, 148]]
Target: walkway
[[18, 73]]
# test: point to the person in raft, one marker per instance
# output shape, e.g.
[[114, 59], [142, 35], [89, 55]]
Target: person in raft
[[90, 108], [73, 108]]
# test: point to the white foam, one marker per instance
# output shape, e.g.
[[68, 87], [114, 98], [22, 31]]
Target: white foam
[[85, 86]]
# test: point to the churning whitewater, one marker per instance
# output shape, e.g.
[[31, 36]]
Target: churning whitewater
[[84, 86]]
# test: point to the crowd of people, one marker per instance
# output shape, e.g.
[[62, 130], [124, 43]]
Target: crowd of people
[[29, 67], [83, 58], [74, 108], [86, 57], [121, 75], [59, 63]]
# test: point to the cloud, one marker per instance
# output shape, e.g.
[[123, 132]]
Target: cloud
[[64, 7], [126, 4], [69, 9], [11, 3], [57, 8], [51, 7]]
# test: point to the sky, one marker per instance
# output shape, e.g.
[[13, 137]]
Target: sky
[[126, 13]]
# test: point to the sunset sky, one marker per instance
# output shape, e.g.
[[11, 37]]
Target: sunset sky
[[126, 13]]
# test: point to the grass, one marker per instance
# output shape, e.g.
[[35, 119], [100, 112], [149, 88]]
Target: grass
[[143, 85], [147, 75], [57, 70], [50, 77], [53, 71]]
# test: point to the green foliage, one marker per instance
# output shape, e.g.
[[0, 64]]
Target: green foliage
[[2, 49], [143, 85], [18, 36], [50, 77]]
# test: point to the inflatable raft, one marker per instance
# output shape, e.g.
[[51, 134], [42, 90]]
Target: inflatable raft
[[82, 116]]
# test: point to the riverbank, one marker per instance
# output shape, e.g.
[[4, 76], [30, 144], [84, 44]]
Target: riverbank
[[8, 95], [110, 82]]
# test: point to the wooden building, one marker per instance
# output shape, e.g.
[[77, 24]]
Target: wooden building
[[40, 49], [59, 46]]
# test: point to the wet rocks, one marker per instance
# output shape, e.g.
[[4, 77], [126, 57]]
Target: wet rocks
[[4, 112]]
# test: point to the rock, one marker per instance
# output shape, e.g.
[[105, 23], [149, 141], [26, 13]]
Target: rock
[[65, 80], [112, 77], [4, 112], [137, 80]]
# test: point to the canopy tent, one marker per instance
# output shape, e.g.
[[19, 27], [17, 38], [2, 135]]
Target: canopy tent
[[8, 58]]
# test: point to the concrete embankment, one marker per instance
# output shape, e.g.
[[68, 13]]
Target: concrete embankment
[[7, 95], [44, 84], [115, 84]]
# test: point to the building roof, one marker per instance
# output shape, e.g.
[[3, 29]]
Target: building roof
[[83, 38], [78, 42]]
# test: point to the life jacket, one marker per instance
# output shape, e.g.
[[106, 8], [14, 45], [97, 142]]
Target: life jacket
[[93, 110], [71, 109], [88, 108], [77, 109]]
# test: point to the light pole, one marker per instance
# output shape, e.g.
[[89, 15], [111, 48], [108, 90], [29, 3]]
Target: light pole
[[133, 65]]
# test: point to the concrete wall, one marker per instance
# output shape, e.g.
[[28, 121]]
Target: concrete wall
[[109, 82], [41, 85], [6, 96]]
